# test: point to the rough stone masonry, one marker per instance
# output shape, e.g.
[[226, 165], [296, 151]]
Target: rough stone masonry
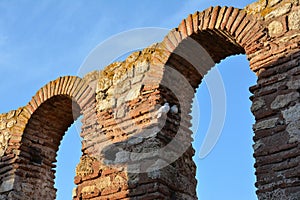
[[136, 114]]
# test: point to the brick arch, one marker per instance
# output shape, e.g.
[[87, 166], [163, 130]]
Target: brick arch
[[44, 121], [220, 31], [223, 32], [130, 98], [229, 27]]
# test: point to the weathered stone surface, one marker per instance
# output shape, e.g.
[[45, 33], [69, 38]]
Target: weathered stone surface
[[283, 100], [294, 84], [257, 145], [103, 84], [2, 125], [292, 117], [120, 113], [294, 131], [106, 104], [135, 140], [4, 137], [122, 157], [143, 156], [11, 123], [92, 78], [273, 2], [292, 114], [276, 194], [141, 67], [279, 11], [137, 79], [103, 183], [266, 124], [120, 101], [294, 20], [85, 167], [258, 104], [133, 93], [289, 38], [10, 114], [256, 7], [119, 76], [6, 185], [122, 87], [88, 189], [275, 28]]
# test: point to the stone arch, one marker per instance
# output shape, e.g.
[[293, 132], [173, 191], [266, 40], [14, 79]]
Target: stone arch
[[41, 126]]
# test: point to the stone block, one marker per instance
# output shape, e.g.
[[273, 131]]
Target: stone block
[[11, 123], [275, 28], [292, 114], [122, 157], [2, 125], [10, 114], [281, 10], [273, 2], [7, 185], [266, 124], [137, 78], [122, 87], [133, 93], [103, 84], [294, 131], [141, 67], [294, 84], [106, 104], [256, 7], [283, 100], [258, 104], [294, 20]]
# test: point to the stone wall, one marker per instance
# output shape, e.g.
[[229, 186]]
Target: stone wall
[[136, 113]]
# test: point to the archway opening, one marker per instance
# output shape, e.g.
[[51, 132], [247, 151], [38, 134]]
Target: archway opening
[[68, 156], [200, 42], [227, 172], [40, 143]]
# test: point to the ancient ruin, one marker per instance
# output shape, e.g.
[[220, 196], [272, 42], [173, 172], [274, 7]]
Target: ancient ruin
[[136, 114]]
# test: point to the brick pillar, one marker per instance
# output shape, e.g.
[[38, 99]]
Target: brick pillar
[[275, 58], [141, 146], [276, 107]]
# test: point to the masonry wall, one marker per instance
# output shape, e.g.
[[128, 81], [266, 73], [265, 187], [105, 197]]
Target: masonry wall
[[136, 114]]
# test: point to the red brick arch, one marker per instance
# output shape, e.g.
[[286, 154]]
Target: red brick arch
[[228, 31], [41, 127], [218, 33], [221, 31]]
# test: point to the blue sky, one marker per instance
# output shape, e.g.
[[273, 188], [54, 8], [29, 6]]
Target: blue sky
[[42, 40]]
